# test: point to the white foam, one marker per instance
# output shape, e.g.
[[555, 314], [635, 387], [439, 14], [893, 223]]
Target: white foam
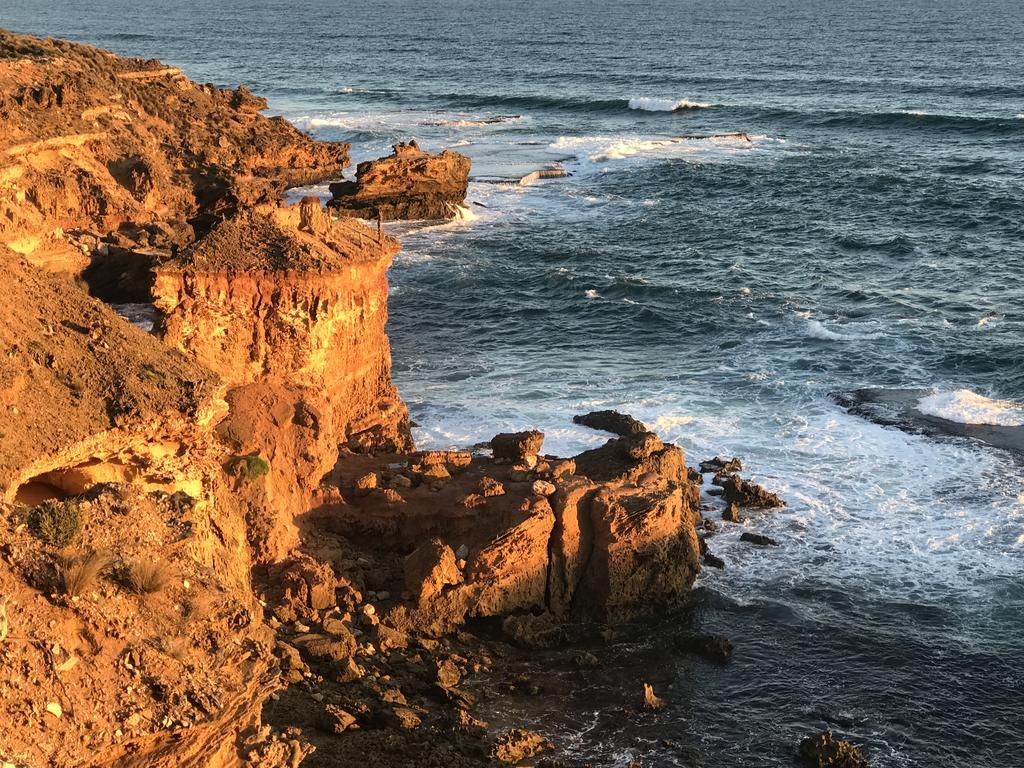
[[592, 294], [967, 407], [818, 331], [648, 104], [606, 149]]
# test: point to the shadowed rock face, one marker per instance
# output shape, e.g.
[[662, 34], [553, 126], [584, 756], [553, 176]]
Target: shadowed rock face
[[409, 184], [93, 143]]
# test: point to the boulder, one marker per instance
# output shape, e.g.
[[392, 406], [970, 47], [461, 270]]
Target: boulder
[[644, 552], [826, 751], [517, 446], [408, 184], [743, 493], [308, 585], [621, 424], [429, 569], [626, 459]]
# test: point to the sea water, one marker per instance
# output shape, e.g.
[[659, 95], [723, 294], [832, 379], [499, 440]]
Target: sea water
[[783, 221]]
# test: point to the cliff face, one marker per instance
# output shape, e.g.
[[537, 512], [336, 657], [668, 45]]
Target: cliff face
[[93, 144], [409, 184], [289, 307], [288, 296]]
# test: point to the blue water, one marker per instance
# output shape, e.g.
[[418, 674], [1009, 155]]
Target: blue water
[[869, 234]]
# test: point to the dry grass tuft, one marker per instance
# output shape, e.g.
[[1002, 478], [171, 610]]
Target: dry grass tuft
[[148, 576], [78, 575]]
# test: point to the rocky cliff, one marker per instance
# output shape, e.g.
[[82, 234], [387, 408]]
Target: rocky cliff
[[218, 547], [408, 184], [99, 150]]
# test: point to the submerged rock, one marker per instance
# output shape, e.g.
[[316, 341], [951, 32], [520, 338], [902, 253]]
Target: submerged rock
[[408, 184], [758, 539], [714, 647]]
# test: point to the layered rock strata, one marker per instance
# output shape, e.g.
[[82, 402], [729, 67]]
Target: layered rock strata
[[288, 296], [409, 184]]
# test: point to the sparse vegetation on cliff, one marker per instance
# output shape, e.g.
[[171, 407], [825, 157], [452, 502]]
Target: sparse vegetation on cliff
[[57, 524]]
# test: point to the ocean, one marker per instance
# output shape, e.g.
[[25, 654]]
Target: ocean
[[793, 231]]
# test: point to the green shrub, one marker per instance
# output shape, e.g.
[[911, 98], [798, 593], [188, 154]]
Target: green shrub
[[254, 466], [56, 523]]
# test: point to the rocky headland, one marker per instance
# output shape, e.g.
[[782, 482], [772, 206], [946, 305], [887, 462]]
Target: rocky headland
[[219, 545]]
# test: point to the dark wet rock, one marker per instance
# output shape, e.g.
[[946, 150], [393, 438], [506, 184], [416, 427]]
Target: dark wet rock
[[759, 539], [743, 493], [694, 476], [713, 647], [826, 751], [732, 514], [516, 446], [516, 745], [621, 424], [586, 660], [716, 491], [721, 465], [530, 631], [714, 561]]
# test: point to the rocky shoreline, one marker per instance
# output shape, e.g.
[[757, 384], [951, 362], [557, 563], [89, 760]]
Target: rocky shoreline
[[220, 546]]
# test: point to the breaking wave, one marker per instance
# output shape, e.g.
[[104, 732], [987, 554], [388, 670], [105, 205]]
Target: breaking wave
[[966, 407], [664, 105]]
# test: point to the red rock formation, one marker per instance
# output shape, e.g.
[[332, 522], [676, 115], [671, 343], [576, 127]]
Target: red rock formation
[[93, 143], [409, 184], [288, 296]]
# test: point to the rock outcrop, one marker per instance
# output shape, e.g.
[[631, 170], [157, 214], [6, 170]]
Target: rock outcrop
[[409, 184], [98, 152], [826, 751], [551, 543], [290, 297]]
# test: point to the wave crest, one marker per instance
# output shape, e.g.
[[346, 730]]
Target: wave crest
[[966, 407], [648, 104]]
